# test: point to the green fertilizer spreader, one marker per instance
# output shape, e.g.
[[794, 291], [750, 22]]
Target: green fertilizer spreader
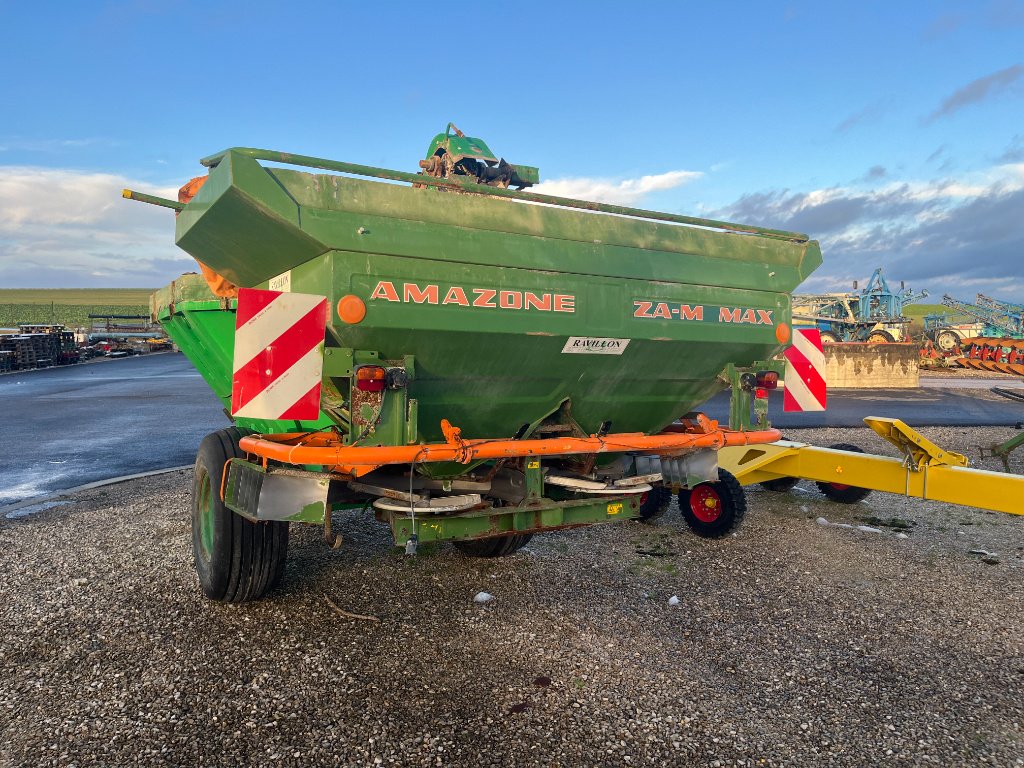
[[487, 362]]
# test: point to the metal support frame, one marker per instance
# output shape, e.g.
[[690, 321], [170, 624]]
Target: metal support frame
[[1002, 451], [498, 521], [926, 471]]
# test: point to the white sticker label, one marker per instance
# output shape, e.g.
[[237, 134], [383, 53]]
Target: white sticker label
[[588, 345], [282, 282]]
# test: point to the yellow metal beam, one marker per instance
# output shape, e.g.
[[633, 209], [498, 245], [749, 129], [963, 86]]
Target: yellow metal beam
[[925, 472]]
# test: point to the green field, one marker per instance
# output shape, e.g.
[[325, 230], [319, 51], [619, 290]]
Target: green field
[[916, 313], [69, 306]]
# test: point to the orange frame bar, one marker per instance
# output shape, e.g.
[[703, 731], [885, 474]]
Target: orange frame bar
[[325, 449]]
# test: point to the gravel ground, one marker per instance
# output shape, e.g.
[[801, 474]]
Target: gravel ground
[[793, 643]]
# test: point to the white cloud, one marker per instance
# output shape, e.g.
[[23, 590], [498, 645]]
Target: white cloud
[[618, 192], [70, 228], [943, 234]]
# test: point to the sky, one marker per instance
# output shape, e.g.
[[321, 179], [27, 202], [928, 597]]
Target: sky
[[891, 132]]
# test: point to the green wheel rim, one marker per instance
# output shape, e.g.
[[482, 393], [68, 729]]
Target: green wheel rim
[[206, 521]]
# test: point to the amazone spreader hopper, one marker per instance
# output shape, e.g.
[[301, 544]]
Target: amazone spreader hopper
[[472, 362]]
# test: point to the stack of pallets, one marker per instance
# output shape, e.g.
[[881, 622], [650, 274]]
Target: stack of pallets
[[22, 349], [6, 361], [54, 344]]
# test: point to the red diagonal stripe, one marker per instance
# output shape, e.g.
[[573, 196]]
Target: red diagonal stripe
[[278, 356], [814, 336], [251, 301], [306, 407], [808, 374]]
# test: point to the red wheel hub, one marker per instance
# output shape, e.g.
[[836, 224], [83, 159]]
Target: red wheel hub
[[838, 486], [705, 503], [644, 496]]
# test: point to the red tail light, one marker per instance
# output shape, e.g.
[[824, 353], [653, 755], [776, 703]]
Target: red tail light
[[761, 393], [370, 378], [767, 379]]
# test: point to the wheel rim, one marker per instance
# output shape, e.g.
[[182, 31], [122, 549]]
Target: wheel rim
[[206, 519], [705, 503]]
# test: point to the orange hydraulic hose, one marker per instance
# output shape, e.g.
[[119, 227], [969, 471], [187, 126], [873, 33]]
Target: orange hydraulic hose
[[325, 449]]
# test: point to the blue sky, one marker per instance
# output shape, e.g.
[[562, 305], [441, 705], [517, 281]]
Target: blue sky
[[893, 132]]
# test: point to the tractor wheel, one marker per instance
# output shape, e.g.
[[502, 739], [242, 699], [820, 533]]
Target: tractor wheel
[[947, 341], [493, 546], [827, 337], [654, 503], [780, 484], [880, 337], [844, 494], [237, 560], [714, 509]]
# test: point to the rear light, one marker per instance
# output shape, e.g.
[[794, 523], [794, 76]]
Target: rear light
[[767, 379], [371, 378], [761, 393]]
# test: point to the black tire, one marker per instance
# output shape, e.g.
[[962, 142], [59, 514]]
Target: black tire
[[236, 559], [493, 546], [654, 503], [712, 510], [827, 337], [881, 337], [844, 494], [780, 484]]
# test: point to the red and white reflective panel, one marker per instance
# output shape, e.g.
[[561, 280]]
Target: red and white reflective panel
[[279, 355], [805, 372]]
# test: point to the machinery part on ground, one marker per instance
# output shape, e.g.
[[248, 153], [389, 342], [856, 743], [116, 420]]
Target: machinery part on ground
[[999, 355], [713, 510], [655, 503], [237, 560], [1009, 394], [494, 546], [1003, 450], [841, 492]]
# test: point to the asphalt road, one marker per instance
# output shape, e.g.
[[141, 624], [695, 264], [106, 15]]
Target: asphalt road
[[64, 427]]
